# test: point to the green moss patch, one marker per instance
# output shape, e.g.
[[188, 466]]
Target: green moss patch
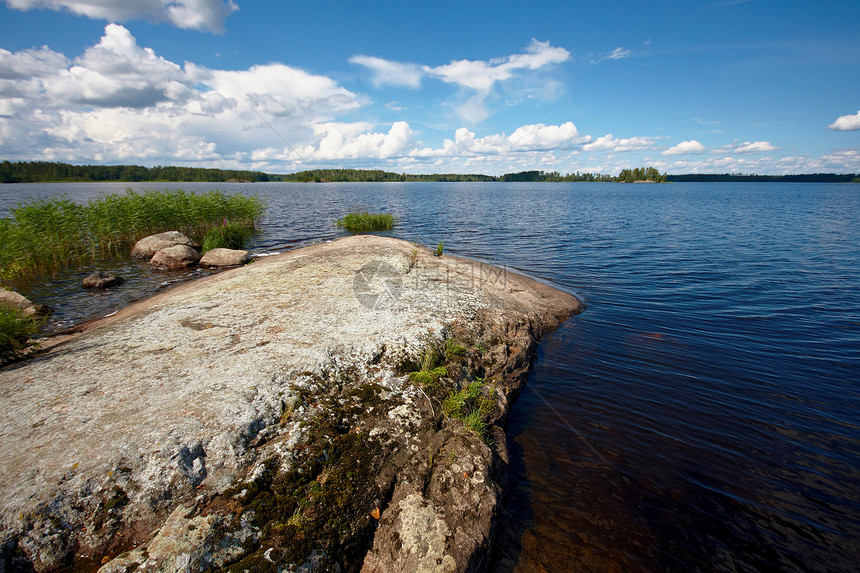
[[325, 501]]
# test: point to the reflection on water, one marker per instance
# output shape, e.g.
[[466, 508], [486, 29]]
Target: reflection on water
[[701, 415]]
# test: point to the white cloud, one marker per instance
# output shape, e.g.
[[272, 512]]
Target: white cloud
[[842, 161], [481, 76], [535, 140], [619, 53], [846, 123], [386, 72], [117, 72], [609, 143], [691, 147], [30, 63], [189, 14], [756, 147], [121, 102]]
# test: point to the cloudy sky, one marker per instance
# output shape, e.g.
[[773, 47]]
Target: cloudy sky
[[751, 86]]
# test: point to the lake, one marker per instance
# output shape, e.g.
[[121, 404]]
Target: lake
[[702, 414]]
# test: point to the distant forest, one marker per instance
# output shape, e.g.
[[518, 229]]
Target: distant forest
[[46, 171]]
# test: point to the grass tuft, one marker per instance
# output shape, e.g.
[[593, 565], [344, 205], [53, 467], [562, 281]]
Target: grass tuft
[[47, 235], [470, 406], [16, 332], [363, 222]]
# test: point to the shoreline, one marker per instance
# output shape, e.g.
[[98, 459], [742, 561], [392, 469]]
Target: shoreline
[[176, 425]]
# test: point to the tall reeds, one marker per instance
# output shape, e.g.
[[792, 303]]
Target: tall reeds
[[363, 222], [46, 235]]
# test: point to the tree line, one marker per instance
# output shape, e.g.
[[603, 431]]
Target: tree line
[[44, 171], [376, 176]]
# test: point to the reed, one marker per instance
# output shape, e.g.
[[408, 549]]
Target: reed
[[226, 236], [364, 222], [46, 235]]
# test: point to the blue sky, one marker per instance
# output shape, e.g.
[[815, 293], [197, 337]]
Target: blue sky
[[751, 86]]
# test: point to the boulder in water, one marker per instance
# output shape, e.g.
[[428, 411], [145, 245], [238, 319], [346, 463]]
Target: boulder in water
[[148, 246], [102, 280], [225, 258], [176, 257]]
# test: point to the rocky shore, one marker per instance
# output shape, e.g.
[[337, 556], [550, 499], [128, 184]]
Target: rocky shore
[[335, 408]]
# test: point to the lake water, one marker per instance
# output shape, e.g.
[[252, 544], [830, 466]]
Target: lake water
[[703, 413]]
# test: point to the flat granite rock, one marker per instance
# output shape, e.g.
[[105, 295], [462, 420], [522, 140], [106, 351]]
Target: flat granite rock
[[266, 417]]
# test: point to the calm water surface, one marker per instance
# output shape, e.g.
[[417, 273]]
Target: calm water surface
[[703, 413]]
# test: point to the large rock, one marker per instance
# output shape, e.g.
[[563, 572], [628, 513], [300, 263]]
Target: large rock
[[266, 417], [101, 280], [12, 299], [176, 257], [148, 246], [225, 258]]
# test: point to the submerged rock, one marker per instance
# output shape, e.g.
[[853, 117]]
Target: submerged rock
[[148, 246], [175, 257], [102, 280], [337, 407], [225, 258]]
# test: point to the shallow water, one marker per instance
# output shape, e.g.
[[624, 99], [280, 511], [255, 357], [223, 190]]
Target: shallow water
[[701, 414]]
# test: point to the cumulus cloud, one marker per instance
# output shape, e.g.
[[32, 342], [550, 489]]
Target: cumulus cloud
[[117, 72], [189, 14], [30, 63], [849, 122], [537, 138], [755, 147], [390, 73], [609, 143], [335, 144], [121, 102], [691, 147]]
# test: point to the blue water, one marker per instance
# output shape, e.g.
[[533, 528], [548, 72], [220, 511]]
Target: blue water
[[703, 413]]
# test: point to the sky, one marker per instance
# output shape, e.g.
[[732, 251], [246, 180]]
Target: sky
[[712, 86]]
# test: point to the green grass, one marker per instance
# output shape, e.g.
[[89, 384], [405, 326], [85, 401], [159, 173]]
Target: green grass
[[470, 406], [364, 222], [439, 248], [46, 235], [226, 236], [16, 331], [428, 378]]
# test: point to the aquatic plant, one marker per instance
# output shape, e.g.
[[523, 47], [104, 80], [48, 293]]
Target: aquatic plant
[[439, 248], [46, 235], [364, 222]]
